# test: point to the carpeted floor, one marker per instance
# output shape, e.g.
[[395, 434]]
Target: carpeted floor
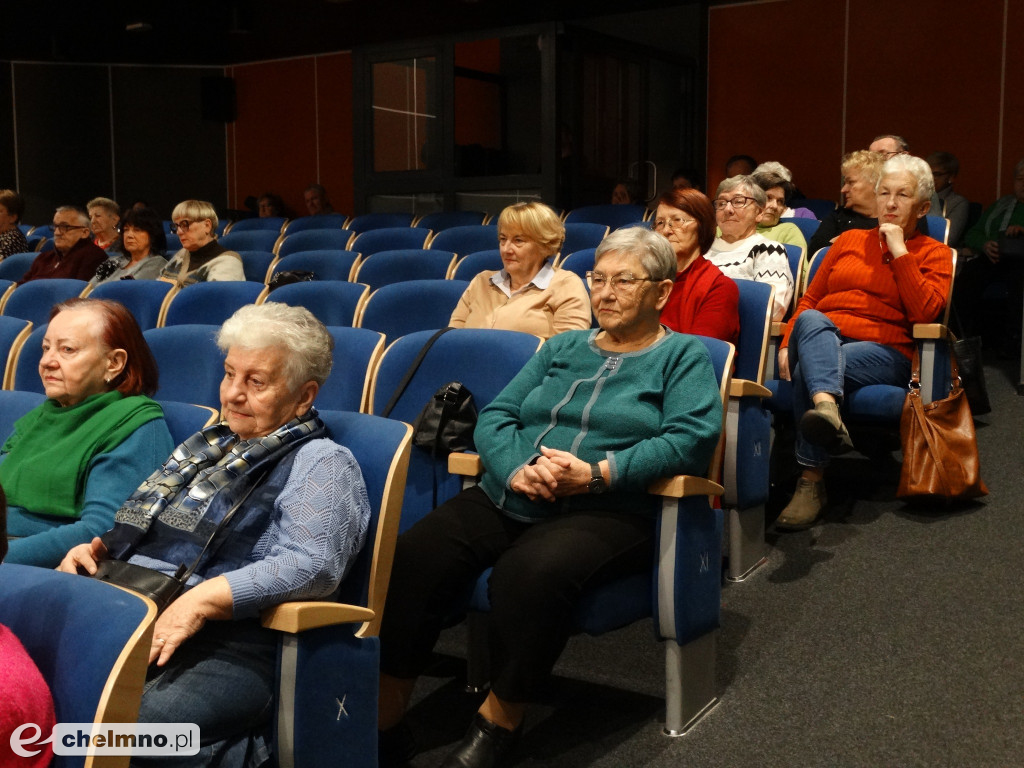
[[888, 635]]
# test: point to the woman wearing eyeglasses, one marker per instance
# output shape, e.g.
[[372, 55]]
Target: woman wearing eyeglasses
[[201, 258], [568, 449], [742, 253], [703, 300], [528, 294]]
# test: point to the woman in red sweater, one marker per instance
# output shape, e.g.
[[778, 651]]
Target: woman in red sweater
[[854, 326], [703, 300]]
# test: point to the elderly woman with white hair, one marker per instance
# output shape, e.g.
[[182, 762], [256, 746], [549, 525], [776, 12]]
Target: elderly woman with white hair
[[568, 449], [740, 252], [854, 325], [201, 258], [295, 514]]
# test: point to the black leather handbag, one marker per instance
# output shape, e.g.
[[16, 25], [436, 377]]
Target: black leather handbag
[[158, 587], [446, 423]]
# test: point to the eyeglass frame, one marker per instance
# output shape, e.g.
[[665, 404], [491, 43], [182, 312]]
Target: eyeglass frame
[[628, 288], [178, 226], [63, 229], [672, 223], [720, 205]]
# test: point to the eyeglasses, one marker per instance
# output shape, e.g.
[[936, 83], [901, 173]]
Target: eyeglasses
[[676, 222], [622, 283], [183, 224], [739, 202], [62, 229]]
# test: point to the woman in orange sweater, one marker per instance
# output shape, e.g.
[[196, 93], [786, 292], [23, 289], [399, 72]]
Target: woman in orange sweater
[[854, 326]]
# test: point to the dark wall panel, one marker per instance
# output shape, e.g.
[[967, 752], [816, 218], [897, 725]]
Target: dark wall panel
[[165, 152], [63, 136], [7, 167]]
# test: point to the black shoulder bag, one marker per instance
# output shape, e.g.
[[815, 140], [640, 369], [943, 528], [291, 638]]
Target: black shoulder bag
[[446, 422]]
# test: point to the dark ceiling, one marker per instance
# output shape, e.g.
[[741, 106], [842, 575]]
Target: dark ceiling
[[235, 31]]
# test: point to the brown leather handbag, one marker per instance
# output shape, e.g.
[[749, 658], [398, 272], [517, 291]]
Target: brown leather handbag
[[940, 448]]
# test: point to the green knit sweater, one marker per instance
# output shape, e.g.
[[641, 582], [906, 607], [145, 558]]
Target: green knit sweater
[[651, 413]]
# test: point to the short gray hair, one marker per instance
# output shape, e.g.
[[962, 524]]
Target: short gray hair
[[916, 167], [652, 250], [773, 166], [744, 184], [83, 217], [309, 346]]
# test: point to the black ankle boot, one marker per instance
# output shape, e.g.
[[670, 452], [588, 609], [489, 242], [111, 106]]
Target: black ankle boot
[[485, 745]]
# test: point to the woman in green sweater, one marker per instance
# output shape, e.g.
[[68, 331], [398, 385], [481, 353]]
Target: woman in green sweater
[[568, 449], [72, 460]]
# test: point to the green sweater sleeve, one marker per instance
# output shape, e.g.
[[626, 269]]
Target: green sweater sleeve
[[113, 476], [691, 425]]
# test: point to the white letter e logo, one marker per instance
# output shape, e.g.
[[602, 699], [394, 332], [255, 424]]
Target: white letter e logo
[[17, 741]]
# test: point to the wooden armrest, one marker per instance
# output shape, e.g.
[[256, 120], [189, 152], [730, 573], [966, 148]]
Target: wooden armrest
[[299, 616], [777, 328], [930, 331], [679, 486], [466, 464], [747, 388]]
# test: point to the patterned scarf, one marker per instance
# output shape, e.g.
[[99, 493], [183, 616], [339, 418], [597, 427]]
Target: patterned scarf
[[212, 462]]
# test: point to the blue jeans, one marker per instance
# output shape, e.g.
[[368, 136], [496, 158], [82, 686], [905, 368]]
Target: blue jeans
[[222, 679], [823, 360]]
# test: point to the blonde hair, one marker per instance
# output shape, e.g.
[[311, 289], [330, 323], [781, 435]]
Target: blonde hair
[[106, 204], [196, 210], [867, 162], [536, 222]]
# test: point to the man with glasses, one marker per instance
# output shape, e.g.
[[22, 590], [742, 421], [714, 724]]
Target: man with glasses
[[73, 255], [889, 145]]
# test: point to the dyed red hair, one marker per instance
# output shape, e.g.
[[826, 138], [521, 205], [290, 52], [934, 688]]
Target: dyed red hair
[[120, 331], [696, 204]]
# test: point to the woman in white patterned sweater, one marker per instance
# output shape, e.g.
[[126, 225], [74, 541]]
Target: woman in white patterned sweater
[[742, 253]]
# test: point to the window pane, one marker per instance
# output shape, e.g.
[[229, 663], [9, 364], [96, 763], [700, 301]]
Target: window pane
[[497, 106], [404, 115]]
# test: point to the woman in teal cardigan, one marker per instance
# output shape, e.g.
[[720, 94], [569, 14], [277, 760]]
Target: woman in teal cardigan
[[568, 449], [71, 461]]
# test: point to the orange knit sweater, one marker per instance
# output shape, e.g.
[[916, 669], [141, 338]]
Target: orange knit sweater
[[872, 297]]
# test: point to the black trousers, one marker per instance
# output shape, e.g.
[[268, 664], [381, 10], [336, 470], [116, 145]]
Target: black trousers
[[540, 570]]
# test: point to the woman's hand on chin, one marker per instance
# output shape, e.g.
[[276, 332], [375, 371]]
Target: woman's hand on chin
[[187, 615], [83, 558], [891, 236]]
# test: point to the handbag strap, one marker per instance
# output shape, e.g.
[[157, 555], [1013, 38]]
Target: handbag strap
[[934, 451], [954, 368], [400, 389]]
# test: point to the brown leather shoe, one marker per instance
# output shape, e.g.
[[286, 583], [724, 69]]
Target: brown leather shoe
[[805, 506]]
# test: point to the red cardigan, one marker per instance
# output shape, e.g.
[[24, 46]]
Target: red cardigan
[[705, 302], [872, 297]]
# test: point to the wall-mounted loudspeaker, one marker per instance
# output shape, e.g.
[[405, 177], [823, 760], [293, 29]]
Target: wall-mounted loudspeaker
[[218, 99]]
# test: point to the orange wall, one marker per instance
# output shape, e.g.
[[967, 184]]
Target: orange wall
[[843, 71], [294, 128]]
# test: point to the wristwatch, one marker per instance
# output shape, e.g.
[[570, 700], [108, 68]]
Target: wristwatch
[[597, 483]]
